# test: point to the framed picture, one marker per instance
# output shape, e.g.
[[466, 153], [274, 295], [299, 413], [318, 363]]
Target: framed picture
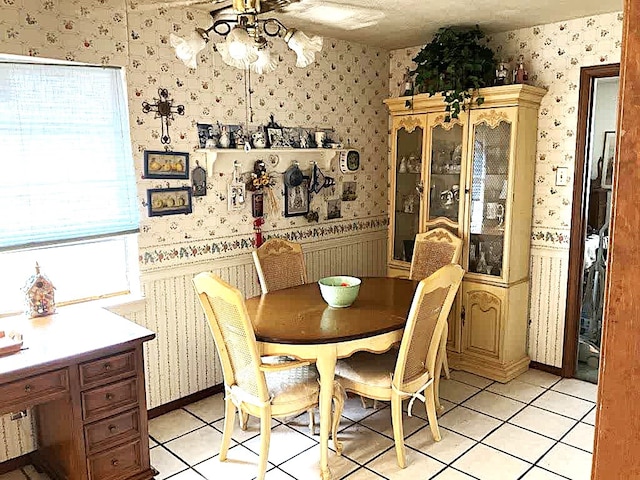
[[296, 199], [208, 135], [334, 209], [166, 164], [608, 158], [168, 201], [349, 191], [307, 137], [276, 139], [291, 136]]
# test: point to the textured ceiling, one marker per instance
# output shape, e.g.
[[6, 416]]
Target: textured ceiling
[[406, 23]]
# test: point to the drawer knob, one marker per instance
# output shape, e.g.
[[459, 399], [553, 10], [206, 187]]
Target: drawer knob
[[115, 462], [107, 366], [109, 396], [113, 428], [28, 388]]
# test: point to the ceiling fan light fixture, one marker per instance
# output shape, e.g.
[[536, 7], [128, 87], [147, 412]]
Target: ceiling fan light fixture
[[304, 46], [187, 50]]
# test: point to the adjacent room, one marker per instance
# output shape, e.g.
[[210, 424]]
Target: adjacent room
[[225, 224]]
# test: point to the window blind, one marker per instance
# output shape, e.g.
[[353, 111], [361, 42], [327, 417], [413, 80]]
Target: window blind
[[67, 168]]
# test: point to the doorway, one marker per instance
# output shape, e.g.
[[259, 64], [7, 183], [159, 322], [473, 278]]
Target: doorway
[[593, 180]]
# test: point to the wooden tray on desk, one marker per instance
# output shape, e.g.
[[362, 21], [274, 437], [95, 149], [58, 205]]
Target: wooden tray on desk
[[9, 344]]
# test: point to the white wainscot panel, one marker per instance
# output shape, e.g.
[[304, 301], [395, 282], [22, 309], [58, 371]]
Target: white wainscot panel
[[548, 298]]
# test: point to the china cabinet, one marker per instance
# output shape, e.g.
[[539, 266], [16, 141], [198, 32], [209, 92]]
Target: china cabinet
[[473, 175]]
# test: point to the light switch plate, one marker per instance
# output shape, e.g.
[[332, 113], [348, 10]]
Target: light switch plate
[[562, 176]]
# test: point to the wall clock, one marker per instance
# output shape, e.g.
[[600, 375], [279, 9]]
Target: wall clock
[[349, 161]]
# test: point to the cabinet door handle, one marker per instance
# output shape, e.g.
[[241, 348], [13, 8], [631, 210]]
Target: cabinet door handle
[[109, 396], [28, 388], [462, 315], [115, 462], [113, 428]]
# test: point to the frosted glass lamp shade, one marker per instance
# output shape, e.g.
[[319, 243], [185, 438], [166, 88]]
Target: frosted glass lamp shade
[[187, 50], [266, 63], [304, 46], [223, 50], [240, 46]]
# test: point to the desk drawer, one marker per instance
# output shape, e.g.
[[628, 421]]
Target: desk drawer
[[105, 401], [111, 431], [120, 462], [34, 390], [108, 369]]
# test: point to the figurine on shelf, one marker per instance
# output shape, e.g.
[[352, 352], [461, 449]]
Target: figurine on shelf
[[409, 203], [481, 266], [520, 75], [502, 74], [407, 84], [403, 165], [225, 139]]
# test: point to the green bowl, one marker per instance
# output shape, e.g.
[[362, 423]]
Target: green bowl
[[339, 291]]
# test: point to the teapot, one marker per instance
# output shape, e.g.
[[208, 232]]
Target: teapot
[[259, 139]]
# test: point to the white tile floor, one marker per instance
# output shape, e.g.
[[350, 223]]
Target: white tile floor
[[537, 427]]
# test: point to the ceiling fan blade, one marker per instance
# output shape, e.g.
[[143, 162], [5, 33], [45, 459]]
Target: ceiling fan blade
[[144, 5], [334, 14]]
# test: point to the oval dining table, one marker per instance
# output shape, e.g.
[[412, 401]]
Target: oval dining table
[[297, 322]]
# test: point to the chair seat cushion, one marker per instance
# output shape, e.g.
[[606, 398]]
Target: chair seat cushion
[[292, 384], [368, 368]]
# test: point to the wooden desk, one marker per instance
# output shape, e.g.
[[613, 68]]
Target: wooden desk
[[83, 371], [297, 321]]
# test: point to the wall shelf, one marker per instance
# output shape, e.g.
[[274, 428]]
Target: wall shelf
[[285, 156]]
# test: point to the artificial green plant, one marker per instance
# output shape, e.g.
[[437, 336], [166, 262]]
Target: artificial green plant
[[456, 64]]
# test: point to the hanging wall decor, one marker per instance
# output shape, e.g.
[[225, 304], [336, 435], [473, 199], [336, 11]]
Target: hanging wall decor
[[164, 109], [199, 181], [166, 165]]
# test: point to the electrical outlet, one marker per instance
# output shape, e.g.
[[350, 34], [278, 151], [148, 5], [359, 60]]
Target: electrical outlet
[[562, 176]]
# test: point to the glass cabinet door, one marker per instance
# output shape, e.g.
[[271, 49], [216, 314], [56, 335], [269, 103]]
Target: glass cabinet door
[[408, 175], [489, 191], [445, 173]]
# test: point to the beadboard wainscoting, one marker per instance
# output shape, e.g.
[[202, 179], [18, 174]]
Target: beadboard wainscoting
[[548, 298], [181, 360]]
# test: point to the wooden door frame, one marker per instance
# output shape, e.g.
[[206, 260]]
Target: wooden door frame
[[580, 207]]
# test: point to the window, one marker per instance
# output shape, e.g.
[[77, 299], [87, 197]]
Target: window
[[67, 192]]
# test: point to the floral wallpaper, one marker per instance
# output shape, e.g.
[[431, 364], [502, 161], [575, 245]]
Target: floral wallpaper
[[553, 54], [342, 90]]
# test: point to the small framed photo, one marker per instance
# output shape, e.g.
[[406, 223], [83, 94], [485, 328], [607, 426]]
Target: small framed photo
[[166, 165], [608, 159], [349, 191], [208, 135], [296, 199], [168, 201], [307, 137], [334, 209], [291, 136], [276, 139]]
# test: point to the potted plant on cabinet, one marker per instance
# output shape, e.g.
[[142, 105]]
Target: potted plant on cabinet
[[456, 64]]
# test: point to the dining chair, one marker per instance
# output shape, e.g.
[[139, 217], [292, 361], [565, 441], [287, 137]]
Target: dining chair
[[413, 370], [433, 250], [251, 386], [280, 264]]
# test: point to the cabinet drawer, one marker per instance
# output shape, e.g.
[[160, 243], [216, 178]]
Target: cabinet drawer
[[111, 431], [119, 462], [108, 400], [107, 369], [34, 390]]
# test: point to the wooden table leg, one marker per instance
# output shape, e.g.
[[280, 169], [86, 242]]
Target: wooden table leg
[[326, 365]]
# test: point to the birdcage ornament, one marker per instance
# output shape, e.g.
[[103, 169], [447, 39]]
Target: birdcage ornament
[[39, 295]]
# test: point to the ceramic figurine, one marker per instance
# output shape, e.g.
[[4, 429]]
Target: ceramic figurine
[[403, 165], [502, 74], [259, 139], [225, 139], [520, 74]]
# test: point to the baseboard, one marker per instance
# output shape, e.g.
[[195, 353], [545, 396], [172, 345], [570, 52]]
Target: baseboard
[[546, 368], [15, 463], [181, 402]]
